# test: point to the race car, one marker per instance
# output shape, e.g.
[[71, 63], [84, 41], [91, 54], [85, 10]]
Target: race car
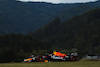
[[55, 56]]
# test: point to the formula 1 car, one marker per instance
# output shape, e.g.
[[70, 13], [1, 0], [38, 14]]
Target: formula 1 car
[[56, 56]]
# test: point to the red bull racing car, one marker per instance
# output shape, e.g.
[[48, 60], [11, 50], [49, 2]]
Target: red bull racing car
[[55, 56]]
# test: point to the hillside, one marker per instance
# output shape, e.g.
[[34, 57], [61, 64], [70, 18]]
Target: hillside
[[81, 32], [77, 34], [78, 9], [19, 17]]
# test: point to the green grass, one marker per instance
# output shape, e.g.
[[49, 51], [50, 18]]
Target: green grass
[[54, 64]]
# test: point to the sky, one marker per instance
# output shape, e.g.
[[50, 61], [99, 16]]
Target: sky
[[61, 1]]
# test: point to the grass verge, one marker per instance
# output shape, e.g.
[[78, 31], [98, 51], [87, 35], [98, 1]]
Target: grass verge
[[54, 64]]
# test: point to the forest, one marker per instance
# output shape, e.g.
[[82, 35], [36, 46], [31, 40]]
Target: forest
[[25, 17], [80, 34]]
